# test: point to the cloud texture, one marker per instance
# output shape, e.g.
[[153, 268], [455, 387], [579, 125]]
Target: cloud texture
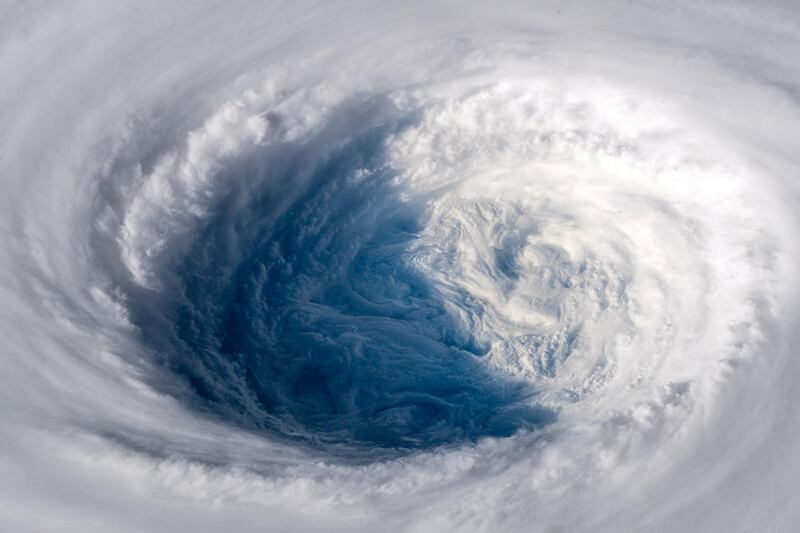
[[439, 266]]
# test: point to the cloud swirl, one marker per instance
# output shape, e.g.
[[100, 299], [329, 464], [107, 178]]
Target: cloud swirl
[[422, 267]]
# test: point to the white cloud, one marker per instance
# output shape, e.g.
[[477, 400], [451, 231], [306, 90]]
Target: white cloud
[[607, 200]]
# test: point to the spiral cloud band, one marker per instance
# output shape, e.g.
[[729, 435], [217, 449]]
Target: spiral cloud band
[[425, 266]]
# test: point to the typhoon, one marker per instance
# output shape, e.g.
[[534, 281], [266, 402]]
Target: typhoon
[[408, 267]]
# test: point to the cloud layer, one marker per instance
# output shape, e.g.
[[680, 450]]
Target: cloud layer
[[429, 267]]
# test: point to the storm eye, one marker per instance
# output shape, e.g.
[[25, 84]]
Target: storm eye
[[310, 315]]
